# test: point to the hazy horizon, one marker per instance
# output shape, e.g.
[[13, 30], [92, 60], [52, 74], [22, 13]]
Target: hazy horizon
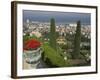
[[60, 17]]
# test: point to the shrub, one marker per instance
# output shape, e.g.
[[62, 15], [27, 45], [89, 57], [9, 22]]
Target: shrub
[[53, 56]]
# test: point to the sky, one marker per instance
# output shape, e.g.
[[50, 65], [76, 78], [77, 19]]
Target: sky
[[60, 17]]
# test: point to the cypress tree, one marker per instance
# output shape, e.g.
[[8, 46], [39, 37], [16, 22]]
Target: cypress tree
[[77, 41], [52, 33]]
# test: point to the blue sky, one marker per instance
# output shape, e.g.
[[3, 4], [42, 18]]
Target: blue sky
[[60, 17]]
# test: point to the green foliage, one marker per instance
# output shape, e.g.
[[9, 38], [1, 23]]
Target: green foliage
[[86, 47], [84, 39], [69, 37], [53, 34], [60, 51], [66, 46], [77, 41], [54, 58], [27, 37]]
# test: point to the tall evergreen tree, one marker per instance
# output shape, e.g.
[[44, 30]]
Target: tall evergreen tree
[[52, 33], [77, 41]]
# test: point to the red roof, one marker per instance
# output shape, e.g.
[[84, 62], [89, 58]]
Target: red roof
[[31, 44]]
